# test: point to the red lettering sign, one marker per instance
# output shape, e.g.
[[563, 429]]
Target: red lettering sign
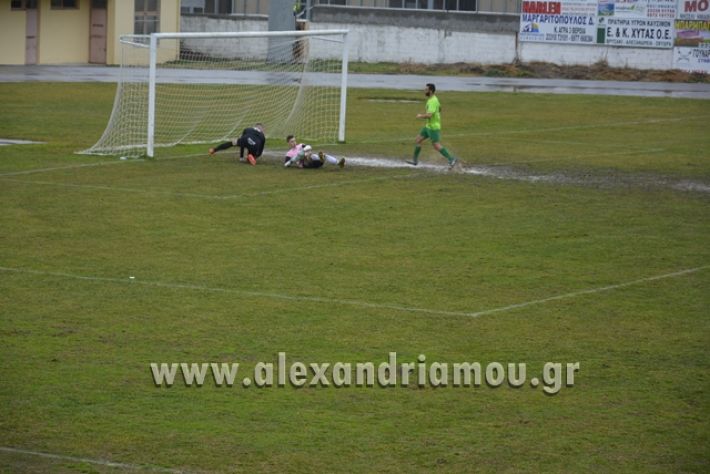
[[549, 8]]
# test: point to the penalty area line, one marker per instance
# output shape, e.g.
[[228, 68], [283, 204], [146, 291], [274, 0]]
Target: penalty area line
[[89, 165], [98, 462], [58, 168], [247, 293], [217, 197], [588, 291], [357, 303]]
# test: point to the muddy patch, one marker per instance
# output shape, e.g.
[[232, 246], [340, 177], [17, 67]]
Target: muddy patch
[[612, 179]]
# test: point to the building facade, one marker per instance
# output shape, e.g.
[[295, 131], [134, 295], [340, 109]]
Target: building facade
[[78, 31]]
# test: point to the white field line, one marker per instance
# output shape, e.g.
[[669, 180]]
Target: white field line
[[588, 291], [89, 165], [248, 293], [358, 303], [99, 462], [210, 196], [396, 140], [57, 168]]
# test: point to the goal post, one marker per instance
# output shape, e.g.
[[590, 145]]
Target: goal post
[[189, 88]]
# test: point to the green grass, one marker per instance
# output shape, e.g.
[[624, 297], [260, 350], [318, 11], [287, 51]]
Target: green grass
[[210, 243], [600, 71]]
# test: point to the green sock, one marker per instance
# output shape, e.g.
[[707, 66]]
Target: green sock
[[417, 150], [446, 154]]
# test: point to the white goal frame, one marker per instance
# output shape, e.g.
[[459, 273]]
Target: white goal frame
[[154, 37], [152, 42]]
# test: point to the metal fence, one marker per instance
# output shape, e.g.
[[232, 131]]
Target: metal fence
[[479, 6], [261, 7]]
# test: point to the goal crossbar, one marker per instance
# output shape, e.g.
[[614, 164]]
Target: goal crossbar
[[247, 34]]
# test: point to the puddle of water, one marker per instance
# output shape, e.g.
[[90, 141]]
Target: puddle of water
[[401, 101], [510, 173], [8, 141]]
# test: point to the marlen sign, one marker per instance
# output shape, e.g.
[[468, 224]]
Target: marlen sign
[[548, 8]]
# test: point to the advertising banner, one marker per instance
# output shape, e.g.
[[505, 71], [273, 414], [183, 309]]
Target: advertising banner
[[692, 45], [565, 21], [694, 9], [636, 23], [633, 23]]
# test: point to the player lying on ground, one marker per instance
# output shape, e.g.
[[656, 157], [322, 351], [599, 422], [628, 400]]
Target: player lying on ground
[[432, 129], [253, 139], [302, 156]]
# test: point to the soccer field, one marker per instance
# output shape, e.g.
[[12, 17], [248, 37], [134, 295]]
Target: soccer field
[[578, 234]]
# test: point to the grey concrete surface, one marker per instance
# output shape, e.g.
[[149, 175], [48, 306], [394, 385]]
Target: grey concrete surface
[[83, 73]]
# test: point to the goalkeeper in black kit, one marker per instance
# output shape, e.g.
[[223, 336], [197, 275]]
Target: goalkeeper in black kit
[[252, 139]]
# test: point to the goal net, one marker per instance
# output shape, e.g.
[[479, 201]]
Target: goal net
[[187, 88]]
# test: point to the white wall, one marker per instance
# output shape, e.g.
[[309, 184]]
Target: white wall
[[389, 43], [377, 43], [247, 48], [570, 54]]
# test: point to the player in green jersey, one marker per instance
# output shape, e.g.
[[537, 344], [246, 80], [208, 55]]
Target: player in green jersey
[[432, 129]]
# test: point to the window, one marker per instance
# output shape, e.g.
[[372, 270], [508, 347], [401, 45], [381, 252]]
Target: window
[[467, 5], [23, 4], [59, 4], [147, 17], [220, 7]]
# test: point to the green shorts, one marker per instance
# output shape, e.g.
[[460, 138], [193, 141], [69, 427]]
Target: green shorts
[[433, 135]]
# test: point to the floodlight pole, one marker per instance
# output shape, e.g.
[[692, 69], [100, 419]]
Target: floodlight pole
[[151, 94]]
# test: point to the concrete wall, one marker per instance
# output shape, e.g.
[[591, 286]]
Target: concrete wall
[[198, 23], [378, 35], [567, 54], [417, 19], [248, 48], [379, 43]]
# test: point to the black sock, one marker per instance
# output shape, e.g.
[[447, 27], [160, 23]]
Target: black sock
[[224, 146]]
